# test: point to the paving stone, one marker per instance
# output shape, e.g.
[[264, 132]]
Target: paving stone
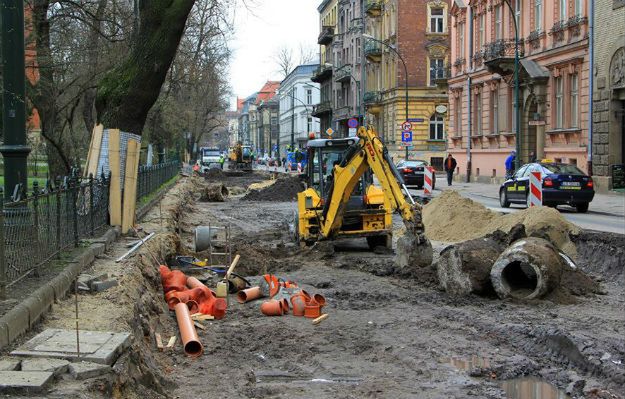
[[24, 381], [9, 364], [95, 346], [99, 286], [84, 370], [56, 366]]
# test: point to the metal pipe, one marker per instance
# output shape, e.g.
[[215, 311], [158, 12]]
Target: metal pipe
[[517, 109], [190, 340], [591, 85]]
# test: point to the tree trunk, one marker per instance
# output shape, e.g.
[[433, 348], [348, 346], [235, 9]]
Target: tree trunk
[[90, 92], [126, 94]]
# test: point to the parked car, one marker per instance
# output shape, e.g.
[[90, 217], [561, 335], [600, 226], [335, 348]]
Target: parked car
[[563, 184], [413, 172]]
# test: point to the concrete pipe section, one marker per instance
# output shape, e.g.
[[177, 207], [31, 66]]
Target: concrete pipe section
[[528, 269], [203, 236]]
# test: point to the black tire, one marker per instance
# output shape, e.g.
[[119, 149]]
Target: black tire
[[379, 241], [503, 198], [419, 187], [583, 207]]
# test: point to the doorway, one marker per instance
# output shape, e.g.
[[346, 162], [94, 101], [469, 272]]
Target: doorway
[[528, 141]]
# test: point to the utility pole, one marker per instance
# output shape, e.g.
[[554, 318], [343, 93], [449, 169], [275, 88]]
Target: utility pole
[[15, 149]]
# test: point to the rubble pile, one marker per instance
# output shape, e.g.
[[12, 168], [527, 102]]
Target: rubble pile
[[284, 189]]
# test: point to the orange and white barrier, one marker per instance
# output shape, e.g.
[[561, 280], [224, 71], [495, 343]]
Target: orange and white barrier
[[428, 171], [536, 189], [299, 167]]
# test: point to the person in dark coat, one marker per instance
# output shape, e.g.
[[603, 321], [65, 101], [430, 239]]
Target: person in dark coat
[[450, 167]]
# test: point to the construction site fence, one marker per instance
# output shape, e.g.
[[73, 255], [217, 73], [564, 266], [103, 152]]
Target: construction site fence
[[36, 228]]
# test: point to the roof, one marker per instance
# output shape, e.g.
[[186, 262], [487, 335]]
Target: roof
[[268, 91], [240, 102], [534, 70], [302, 70]]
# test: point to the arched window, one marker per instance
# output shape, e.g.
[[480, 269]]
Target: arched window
[[437, 127]]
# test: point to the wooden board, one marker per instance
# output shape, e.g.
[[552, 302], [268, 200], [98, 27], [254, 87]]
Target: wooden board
[[159, 341], [130, 185], [172, 342], [94, 151], [115, 195]]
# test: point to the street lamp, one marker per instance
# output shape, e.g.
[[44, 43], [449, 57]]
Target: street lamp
[[369, 37], [517, 111]]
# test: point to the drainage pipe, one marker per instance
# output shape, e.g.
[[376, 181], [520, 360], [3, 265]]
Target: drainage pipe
[[528, 269], [190, 340]]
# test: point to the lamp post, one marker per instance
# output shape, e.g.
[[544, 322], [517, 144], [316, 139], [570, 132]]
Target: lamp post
[[369, 37], [517, 111]]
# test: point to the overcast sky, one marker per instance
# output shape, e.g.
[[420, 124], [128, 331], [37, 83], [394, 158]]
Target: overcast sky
[[260, 31]]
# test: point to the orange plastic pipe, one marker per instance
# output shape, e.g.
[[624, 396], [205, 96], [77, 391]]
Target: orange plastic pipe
[[272, 307], [249, 294], [190, 340]]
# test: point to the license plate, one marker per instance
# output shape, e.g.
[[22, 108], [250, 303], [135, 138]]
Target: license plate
[[570, 188], [570, 183]]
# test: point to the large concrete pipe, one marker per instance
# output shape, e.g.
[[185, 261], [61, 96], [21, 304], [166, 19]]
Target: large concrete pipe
[[190, 340], [203, 237], [528, 269], [464, 268]]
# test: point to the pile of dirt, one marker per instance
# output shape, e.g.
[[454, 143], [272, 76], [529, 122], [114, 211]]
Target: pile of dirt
[[285, 188], [214, 174], [453, 218]]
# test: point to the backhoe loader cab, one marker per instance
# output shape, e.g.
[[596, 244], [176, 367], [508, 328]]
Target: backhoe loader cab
[[363, 213]]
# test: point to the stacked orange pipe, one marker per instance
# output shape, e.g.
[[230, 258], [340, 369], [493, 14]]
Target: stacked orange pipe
[[190, 340]]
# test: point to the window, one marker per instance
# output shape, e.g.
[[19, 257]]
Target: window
[[274, 120], [559, 85], [578, 8], [436, 70], [518, 8], [498, 25], [437, 127], [494, 111], [309, 127], [538, 15], [436, 20], [461, 40], [482, 28], [477, 116], [458, 116], [563, 7], [308, 96], [574, 100]]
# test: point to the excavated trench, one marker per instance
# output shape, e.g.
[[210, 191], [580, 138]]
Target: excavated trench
[[387, 329]]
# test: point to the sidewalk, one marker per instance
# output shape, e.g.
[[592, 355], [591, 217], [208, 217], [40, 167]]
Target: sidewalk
[[612, 204]]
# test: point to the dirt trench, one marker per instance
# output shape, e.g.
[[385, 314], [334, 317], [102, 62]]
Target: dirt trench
[[389, 334]]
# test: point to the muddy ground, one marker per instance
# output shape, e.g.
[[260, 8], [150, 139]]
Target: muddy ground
[[387, 336]]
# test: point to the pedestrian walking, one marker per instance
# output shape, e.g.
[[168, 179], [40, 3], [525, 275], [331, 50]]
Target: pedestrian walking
[[510, 164], [450, 167]]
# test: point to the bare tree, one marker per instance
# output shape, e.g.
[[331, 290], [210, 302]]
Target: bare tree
[[283, 57], [307, 54]]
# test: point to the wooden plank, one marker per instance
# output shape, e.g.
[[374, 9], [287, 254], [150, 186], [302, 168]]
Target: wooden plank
[[159, 341], [94, 151], [130, 185], [172, 342], [115, 196], [199, 325], [202, 317], [320, 318]]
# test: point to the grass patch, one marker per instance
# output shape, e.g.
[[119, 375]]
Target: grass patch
[[145, 200], [40, 180]]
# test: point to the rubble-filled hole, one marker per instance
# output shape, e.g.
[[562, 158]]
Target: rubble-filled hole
[[520, 278]]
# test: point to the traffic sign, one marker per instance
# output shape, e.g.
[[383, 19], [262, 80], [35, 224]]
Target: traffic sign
[[418, 120], [406, 126], [406, 137], [352, 123], [352, 131], [329, 132]]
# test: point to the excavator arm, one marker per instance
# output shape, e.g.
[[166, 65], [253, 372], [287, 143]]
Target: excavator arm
[[368, 152]]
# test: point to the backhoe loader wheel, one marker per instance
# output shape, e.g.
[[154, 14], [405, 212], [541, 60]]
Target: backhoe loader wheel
[[380, 241]]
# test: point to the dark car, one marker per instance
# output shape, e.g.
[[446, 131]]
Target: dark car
[[413, 171], [563, 184]]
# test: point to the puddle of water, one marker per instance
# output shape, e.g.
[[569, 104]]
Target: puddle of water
[[465, 364], [531, 388]]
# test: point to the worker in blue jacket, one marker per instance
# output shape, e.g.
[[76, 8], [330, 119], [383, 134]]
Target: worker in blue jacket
[[510, 164]]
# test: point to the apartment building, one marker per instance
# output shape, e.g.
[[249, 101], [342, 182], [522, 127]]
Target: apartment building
[[407, 51], [553, 83]]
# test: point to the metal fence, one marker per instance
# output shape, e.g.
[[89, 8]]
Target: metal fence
[[37, 228]]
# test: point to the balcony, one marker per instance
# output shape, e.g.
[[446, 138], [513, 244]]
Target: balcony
[[343, 74], [326, 35], [442, 75], [373, 101], [373, 7], [322, 73], [498, 56], [322, 109], [373, 51]]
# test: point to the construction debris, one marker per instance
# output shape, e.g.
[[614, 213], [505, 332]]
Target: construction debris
[[285, 188], [214, 192], [137, 246], [320, 319]]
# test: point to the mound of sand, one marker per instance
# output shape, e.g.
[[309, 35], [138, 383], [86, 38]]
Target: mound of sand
[[453, 218], [261, 185], [285, 188]]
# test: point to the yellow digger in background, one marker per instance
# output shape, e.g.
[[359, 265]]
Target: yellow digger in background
[[341, 199]]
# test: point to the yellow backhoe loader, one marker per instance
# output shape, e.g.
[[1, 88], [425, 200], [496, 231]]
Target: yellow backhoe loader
[[341, 199]]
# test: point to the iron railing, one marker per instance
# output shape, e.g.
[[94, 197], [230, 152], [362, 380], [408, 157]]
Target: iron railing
[[37, 227]]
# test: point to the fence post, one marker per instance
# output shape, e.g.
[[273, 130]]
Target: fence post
[[36, 224], [91, 216], [74, 187], [3, 269], [58, 214]]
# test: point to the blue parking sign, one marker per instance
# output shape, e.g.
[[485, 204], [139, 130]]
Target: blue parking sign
[[406, 137]]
